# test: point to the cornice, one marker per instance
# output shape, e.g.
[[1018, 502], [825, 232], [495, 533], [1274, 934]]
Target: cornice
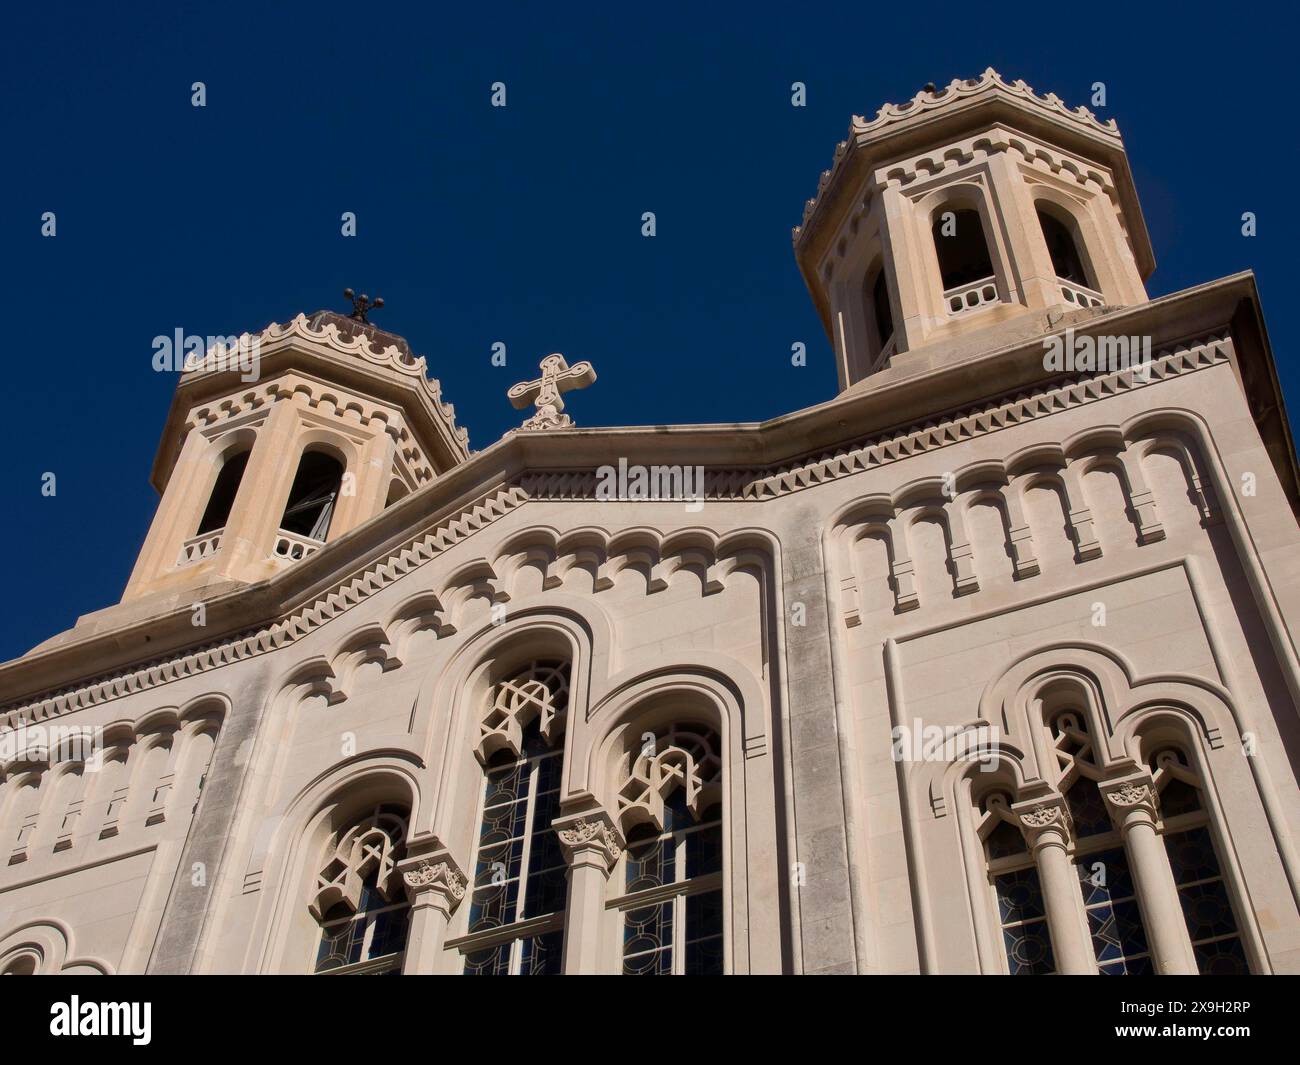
[[881, 450], [957, 89], [214, 387], [988, 85], [928, 126], [738, 485], [1034, 152], [256, 641], [278, 335]]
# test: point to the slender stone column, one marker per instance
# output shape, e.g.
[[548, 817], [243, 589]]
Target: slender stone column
[[178, 513], [1023, 234], [263, 491], [1131, 802], [592, 844], [917, 307], [435, 886], [1046, 827]]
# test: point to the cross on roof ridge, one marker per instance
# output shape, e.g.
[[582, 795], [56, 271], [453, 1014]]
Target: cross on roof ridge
[[546, 392]]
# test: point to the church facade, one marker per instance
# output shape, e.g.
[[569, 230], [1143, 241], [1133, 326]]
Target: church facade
[[985, 665]]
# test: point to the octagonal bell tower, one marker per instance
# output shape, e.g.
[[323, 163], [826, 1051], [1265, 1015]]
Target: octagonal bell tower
[[283, 442], [966, 218]]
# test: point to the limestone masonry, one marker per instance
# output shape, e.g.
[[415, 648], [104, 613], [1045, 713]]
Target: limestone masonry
[[985, 665]]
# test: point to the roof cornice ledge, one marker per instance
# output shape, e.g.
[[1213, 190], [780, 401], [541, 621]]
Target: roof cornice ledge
[[277, 335], [745, 461], [990, 92]]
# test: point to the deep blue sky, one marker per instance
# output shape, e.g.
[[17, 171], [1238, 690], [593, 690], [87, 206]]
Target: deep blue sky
[[520, 225]]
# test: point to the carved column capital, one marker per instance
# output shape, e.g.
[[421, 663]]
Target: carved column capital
[[588, 835], [1043, 821], [1130, 800], [434, 877]]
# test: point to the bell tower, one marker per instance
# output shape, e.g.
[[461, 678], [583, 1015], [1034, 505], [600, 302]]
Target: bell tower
[[281, 442], [966, 218]]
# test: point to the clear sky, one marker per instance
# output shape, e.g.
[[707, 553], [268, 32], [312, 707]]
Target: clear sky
[[523, 224]]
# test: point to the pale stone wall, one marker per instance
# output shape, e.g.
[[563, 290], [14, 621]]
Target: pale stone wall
[[962, 543], [654, 601]]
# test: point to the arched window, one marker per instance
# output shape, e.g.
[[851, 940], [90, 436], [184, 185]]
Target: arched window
[[360, 900], [1119, 937], [964, 262], [1110, 901], [1194, 860], [313, 495], [670, 808], [516, 920], [1022, 910], [882, 313], [217, 512], [1061, 245]]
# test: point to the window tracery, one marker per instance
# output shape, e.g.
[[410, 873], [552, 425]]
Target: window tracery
[[516, 921], [538, 693], [1110, 903], [670, 808], [1128, 846], [360, 900]]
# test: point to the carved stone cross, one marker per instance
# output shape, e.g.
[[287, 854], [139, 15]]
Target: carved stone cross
[[546, 392]]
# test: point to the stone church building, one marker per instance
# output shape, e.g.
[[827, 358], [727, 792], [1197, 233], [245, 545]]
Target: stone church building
[[986, 664]]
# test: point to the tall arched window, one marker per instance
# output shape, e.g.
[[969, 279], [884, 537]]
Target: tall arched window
[[1022, 910], [313, 495], [1194, 860], [881, 312], [964, 262], [217, 512], [516, 920], [1110, 901], [1064, 250], [360, 900], [670, 807]]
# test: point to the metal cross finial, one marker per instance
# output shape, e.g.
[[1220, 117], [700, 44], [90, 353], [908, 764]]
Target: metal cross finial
[[546, 392], [361, 304]]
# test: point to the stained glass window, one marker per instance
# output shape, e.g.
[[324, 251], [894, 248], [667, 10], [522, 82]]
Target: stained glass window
[[1025, 934], [1202, 890], [364, 926], [371, 940], [1022, 916], [1206, 905], [516, 920], [1114, 920], [538, 956], [683, 933], [1087, 811], [672, 903]]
